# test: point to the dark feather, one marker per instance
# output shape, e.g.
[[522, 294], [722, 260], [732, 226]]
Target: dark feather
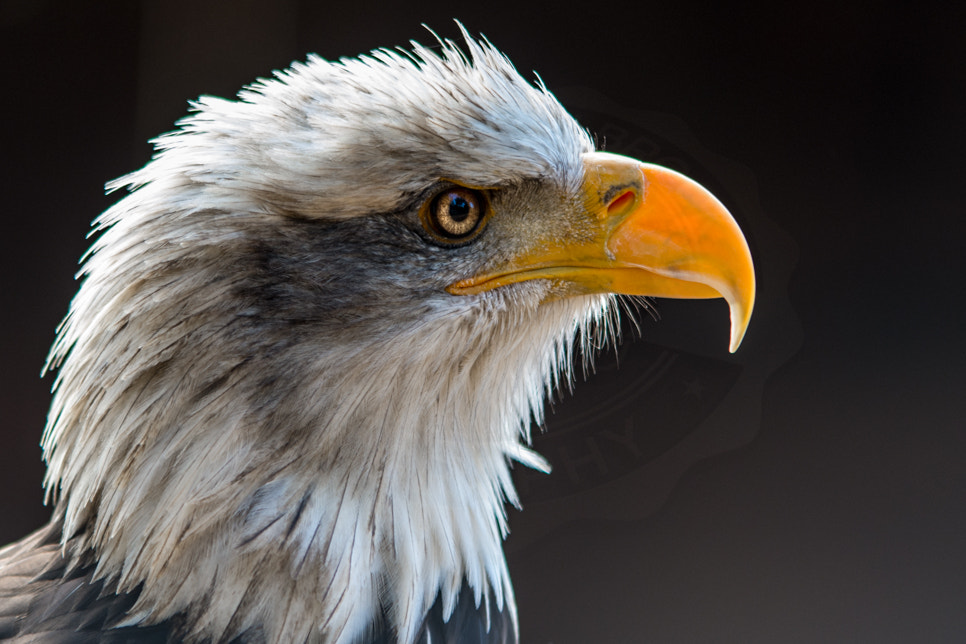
[[467, 624], [45, 600]]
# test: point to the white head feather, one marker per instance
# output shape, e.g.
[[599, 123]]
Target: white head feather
[[255, 465]]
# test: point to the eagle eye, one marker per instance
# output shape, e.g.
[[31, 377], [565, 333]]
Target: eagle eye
[[455, 214]]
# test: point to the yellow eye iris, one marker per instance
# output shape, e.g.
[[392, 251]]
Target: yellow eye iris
[[455, 214]]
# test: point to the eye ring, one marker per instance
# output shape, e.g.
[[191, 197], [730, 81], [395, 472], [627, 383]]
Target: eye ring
[[455, 214]]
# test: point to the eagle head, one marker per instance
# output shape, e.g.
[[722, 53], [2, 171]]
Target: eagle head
[[312, 338]]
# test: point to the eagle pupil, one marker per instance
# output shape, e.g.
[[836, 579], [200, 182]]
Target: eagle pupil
[[459, 209]]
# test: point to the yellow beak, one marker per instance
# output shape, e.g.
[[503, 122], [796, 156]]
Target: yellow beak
[[644, 230]]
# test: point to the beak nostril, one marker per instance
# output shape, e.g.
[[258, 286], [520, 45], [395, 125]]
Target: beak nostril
[[622, 201]]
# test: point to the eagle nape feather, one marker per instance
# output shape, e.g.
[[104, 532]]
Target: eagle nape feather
[[311, 338]]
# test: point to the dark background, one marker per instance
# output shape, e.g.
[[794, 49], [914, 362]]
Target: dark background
[[841, 517]]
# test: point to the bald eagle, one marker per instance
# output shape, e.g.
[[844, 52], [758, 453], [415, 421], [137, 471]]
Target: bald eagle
[[311, 340]]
